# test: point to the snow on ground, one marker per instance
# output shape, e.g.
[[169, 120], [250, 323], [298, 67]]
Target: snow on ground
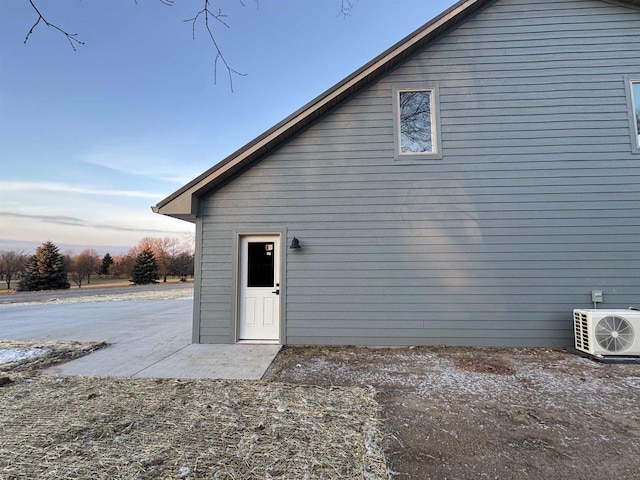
[[173, 294], [17, 354], [25, 357]]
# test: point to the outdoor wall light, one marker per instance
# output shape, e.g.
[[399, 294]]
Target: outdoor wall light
[[294, 243]]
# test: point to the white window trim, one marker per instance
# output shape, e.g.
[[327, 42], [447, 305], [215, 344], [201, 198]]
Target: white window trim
[[401, 156], [632, 104]]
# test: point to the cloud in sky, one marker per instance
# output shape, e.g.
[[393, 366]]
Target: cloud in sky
[[78, 222], [58, 219], [21, 231], [13, 186], [68, 213], [138, 161]]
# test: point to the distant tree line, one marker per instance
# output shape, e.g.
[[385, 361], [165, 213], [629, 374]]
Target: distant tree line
[[151, 260]]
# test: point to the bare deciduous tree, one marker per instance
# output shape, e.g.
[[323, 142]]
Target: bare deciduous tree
[[11, 264], [122, 265], [83, 266]]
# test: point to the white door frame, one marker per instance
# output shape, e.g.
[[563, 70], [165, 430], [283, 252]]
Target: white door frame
[[274, 332]]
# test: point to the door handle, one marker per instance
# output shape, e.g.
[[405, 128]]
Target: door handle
[[276, 291]]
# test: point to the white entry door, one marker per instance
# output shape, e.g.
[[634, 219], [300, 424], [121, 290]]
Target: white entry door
[[259, 315]]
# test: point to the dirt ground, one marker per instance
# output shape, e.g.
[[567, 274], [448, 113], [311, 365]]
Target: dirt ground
[[463, 413]]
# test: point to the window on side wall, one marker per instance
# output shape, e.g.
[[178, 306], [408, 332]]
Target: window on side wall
[[635, 113], [416, 133]]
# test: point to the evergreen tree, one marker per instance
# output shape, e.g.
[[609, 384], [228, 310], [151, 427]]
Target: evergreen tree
[[107, 261], [182, 265], [145, 270], [45, 270]]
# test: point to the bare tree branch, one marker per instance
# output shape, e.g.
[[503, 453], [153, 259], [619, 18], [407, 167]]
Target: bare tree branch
[[71, 37], [345, 8], [168, 3], [219, 16]]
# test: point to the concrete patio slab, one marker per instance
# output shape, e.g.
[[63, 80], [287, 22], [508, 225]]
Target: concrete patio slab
[[236, 362], [228, 362], [146, 339]]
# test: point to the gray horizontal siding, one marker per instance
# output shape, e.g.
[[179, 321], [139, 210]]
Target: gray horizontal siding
[[535, 202], [470, 341]]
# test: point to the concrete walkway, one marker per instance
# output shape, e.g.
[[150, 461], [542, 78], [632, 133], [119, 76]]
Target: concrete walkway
[[150, 338], [231, 362]]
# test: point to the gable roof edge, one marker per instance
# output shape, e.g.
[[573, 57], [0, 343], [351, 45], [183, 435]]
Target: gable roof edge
[[635, 4], [183, 203]]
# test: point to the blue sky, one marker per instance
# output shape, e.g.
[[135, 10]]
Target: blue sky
[[90, 139]]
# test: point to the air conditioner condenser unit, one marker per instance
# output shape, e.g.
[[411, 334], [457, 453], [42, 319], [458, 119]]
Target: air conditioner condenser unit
[[607, 332]]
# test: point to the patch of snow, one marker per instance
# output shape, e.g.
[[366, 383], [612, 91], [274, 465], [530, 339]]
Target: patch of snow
[[18, 354], [177, 294]]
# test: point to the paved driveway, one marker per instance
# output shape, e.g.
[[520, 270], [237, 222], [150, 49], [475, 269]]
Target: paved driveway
[[147, 339]]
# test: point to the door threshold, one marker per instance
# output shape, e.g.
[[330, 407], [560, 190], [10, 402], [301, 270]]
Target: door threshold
[[259, 342]]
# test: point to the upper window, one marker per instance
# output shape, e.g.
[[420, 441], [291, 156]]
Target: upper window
[[416, 121], [635, 105], [416, 134]]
